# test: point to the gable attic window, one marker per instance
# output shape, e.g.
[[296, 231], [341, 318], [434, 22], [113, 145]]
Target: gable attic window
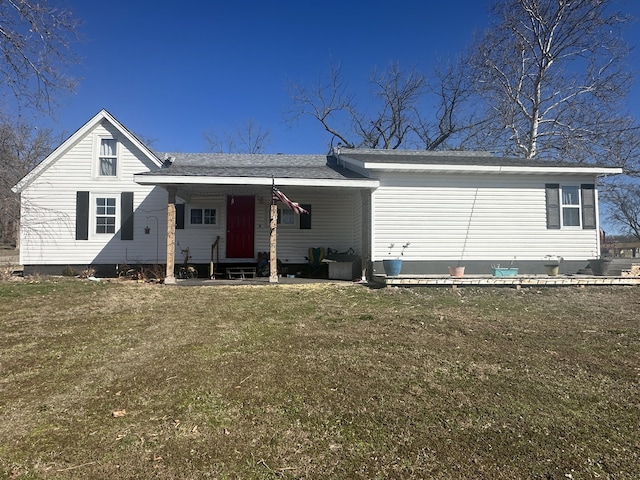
[[108, 158]]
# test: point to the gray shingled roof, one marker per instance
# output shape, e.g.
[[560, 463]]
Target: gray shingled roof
[[251, 165], [317, 167]]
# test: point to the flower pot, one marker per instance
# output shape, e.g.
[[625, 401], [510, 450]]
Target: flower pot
[[600, 266], [456, 271], [505, 272], [392, 267], [552, 270]]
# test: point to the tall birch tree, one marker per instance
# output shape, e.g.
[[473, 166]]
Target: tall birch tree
[[554, 78]]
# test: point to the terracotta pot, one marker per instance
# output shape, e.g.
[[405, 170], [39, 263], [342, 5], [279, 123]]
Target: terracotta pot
[[456, 271]]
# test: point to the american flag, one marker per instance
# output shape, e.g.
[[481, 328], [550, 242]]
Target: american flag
[[278, 195]]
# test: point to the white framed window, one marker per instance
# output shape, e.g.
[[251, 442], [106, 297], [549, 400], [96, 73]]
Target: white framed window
[[202, 216], [108, 157], [286, 217], [570, 206], [105, 212]]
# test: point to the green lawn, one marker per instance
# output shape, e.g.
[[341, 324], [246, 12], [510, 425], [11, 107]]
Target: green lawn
[[108, 380]]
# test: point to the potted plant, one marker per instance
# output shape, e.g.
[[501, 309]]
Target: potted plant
[[457, 271], [393, 266], [600, 266], [509, 271], [552, 264]]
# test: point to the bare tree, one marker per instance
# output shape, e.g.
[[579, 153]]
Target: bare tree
[[398, 95], [453, 123], [249, 138], [328, 102], [35, 41], [624, 212], [21, 148], [399, 109], [554, 78]]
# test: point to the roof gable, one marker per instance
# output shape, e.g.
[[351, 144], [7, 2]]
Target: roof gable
[[86, 129]]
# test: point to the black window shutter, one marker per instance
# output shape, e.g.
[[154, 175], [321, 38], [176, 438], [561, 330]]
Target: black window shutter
[[553, 205], [126, 216], [588, 191], [180, 216], [305, 218], [82, 215]]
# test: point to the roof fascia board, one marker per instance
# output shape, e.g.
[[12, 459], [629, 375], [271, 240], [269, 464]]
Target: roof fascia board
[[144, 179], [75, 137], [403, 167]]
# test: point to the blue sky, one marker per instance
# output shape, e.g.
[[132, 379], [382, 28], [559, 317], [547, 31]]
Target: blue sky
[[171, 70]]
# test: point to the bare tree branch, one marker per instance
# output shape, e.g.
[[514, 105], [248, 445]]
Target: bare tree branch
[[327, 102], [21, 148], [249, 138], [35, 50]]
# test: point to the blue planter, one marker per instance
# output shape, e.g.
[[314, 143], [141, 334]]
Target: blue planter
[[505, 272], [392, 267]]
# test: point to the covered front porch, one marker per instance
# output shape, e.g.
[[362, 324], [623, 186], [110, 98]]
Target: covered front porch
[[224, 227]]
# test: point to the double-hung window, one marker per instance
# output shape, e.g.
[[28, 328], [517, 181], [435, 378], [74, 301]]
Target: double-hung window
[[108, 157], [202, 216], [570, 206], [286, 217], [105, 215]]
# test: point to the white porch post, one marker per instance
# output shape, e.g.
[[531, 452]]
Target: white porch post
[[365, 196], [170, 279]]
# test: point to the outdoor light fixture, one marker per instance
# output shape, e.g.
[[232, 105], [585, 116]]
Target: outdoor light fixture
[[147, 230]]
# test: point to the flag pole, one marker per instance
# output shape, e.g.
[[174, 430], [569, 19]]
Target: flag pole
[[273, 225]]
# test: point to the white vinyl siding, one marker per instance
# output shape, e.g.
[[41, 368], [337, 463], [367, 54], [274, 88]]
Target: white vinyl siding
[[48, 237], [497, 217]]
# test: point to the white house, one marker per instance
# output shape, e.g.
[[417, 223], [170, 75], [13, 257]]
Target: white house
[[103, 199]]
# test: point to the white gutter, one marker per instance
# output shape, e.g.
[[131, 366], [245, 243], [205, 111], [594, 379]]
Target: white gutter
[[507, 169], [493, 169], [205, 180]]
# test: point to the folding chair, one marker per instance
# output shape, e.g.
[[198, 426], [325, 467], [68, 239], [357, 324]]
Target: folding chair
[[316, 265]]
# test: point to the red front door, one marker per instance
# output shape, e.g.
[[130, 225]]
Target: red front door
[[240, 225]]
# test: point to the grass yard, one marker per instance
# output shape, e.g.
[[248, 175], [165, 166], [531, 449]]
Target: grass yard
[[125, 380]]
